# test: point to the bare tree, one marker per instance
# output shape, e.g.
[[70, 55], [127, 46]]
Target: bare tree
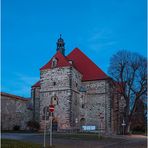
[[129, 70]]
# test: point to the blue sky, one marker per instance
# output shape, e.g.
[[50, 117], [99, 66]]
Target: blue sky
[[100, 28]]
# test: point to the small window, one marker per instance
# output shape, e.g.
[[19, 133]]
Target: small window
[[54, 62], [54, 83], [76, 84], [83, 105], [70, 61]]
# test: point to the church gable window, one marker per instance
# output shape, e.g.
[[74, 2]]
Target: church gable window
[[54, 62], [70, 61]]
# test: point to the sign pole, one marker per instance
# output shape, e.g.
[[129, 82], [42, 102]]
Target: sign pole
[[123, 124], [123, 130], [51, 108], [100, 127], [98, 130], [45, 129], [51, 130]]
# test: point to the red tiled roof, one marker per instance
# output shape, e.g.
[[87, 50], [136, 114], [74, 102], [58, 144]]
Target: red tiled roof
[[85, 66], [37, 84], [13, 96], [81, 62], [62, 61]]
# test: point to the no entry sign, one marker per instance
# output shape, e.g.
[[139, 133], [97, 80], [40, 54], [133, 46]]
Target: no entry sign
[[51, 108]]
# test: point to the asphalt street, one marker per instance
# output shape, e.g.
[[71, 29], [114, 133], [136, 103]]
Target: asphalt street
[[132, 141]]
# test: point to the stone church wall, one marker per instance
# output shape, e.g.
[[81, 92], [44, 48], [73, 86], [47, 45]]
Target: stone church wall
[[56, 82], [55, 79], [76, 78], [95, 105], [62, 109], [75, 108]]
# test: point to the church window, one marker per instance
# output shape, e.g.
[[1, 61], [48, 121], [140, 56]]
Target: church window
[[76, 84], [54, 63], [54, 83], [83, 105]]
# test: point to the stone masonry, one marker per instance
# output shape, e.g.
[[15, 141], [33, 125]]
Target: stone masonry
[[80, 99], [14, 112]]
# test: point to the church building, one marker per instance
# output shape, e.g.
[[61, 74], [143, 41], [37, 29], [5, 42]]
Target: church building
[[84, 97]]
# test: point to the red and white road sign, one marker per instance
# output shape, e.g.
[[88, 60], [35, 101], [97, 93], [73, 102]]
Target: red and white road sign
[[51, 108]]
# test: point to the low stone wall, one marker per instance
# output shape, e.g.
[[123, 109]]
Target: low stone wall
[[14, 112]]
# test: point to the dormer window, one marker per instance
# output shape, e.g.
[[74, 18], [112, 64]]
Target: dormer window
[[54, 62], [70, 61]]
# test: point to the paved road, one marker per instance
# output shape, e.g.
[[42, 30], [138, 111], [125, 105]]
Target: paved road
[[134, 141]]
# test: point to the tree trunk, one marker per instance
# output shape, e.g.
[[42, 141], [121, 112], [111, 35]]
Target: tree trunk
[[127, 116], [129, 122]]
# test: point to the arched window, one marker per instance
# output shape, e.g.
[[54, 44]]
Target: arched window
[[54, 62], [54, 100]]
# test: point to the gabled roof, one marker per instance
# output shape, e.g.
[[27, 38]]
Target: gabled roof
[[37, 84], [81, 62], [62, 61], [85, 66]]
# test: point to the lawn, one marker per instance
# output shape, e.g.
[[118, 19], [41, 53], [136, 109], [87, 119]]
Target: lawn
[[8, 143]]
